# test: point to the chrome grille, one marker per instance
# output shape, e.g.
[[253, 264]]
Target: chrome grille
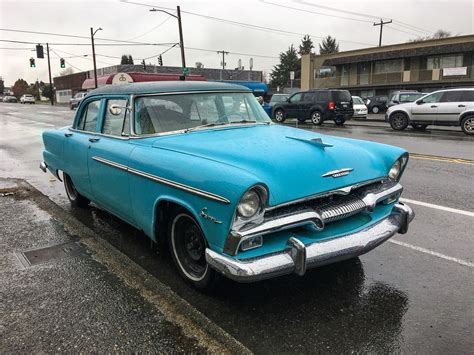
[[343, 208]]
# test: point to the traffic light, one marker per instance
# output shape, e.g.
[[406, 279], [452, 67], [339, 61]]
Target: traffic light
[[144, 65], [160, 60], [32, 63], [39, 51], [62, 63]]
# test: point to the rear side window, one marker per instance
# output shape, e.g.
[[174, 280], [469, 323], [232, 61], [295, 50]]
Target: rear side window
[[451, 96], [308, 96], [467, 95], [116, 123], [90, 114], [341, 96], [322, 96]]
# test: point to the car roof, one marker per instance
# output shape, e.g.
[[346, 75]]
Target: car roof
[[165, 87]]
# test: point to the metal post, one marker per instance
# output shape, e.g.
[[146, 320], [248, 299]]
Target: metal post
[[93, 57], [181, 41], [223, 62], [50, 81], [381, 23]]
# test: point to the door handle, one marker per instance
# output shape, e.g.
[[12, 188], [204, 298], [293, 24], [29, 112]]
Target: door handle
[[93, 140], [461, 105], [433, 106], [67, 134]]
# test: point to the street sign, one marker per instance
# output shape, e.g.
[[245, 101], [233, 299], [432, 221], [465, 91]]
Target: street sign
[[185, 71], [292, 75]]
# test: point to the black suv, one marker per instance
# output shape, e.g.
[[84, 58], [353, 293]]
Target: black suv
[[376, 104], [316, 105]]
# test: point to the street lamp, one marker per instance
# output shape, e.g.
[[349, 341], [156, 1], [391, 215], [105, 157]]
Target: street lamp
[[93, 53], [181, 42]]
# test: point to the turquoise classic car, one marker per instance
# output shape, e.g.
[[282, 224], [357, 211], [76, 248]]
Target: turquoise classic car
[[202, 166]]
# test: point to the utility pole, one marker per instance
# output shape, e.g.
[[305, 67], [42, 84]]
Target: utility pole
[[50, 82], [93, 54], [223, 61], [381, 23], [180, 28]]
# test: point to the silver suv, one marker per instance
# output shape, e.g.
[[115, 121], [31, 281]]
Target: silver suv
[[453, 107]]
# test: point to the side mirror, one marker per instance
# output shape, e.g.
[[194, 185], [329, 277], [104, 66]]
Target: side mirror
[[396, 102], [287, 99], [116, 110], [419, 102]]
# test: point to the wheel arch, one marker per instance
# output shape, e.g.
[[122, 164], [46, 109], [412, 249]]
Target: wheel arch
[[400, 111], [465, 114]]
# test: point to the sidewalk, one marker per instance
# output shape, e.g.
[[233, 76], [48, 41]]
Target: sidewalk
[[63, 289]]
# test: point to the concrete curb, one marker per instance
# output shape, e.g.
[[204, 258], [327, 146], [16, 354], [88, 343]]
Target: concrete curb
[[194, 324]]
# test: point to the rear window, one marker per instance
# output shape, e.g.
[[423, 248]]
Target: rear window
[[467, 95], [410, 97], [341, 96]]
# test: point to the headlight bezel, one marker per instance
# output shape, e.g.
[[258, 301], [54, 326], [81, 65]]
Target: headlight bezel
[[262, 194], [402, 163]]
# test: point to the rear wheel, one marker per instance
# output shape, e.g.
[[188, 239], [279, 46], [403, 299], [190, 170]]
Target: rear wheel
[[375, 109], [75, 198], [316, 118], [339, 121], [399, 121], [301, 120], [279, 115], [188, 250], [419, 127], [467, 125]]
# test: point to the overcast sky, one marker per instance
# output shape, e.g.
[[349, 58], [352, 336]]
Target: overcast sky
[[125, 21]]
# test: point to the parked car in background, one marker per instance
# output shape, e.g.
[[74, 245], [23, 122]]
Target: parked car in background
[[376, 104], [360, 110], [232, 193], [27, 99], [76, 100], [402, 97], [316, 105], [9, 98], [454, 107], [276, 98]]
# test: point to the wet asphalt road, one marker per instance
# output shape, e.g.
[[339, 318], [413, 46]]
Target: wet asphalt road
[[413, 294]]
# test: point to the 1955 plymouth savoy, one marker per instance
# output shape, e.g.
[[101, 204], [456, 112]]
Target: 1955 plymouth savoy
[[202, 166]]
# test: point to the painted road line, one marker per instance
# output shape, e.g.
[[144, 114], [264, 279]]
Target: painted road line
[[434, 253], [438, 158], [438, 207]]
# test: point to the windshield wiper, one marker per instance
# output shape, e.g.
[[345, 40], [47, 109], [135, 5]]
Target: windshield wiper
[[243, 121], [212, 124]]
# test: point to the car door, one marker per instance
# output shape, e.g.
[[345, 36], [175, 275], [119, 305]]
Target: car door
[[77, 144], [425, 110], [292, 107], [108, 159], [450, 107], [307, 102]]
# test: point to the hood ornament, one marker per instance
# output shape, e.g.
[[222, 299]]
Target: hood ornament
[[318, 142], [338, 173]]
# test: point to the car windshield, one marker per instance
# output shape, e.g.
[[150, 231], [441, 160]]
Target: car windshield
[[357, 100], [168, 113], [278, 98], [410, 97]]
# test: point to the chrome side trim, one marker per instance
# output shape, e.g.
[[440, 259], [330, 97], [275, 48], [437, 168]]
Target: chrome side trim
[[193, 190], [338, 173], [298, 257]]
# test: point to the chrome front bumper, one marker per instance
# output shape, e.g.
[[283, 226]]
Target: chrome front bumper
[[298, 257], [43, 166]]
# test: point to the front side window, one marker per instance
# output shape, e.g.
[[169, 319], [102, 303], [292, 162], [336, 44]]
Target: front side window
[[89, 116], [116, 121], [169, 113], [432, 98], [296, 98]]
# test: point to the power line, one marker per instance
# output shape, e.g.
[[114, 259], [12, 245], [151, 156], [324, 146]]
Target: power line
[[246, 25], [152, 29], [57, 55], [88, 44]]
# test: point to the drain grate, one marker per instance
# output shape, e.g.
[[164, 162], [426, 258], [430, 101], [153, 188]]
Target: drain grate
[[43, 255]]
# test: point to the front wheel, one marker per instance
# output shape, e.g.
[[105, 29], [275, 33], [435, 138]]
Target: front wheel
[[467, 125], [317, 118], [188, 250], [279, 115], [75, 198], [399, 121]]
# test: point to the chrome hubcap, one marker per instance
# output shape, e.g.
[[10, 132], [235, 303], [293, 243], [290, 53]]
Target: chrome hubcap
[[398, 121], [316, 117], [469, 125], [279, 116]]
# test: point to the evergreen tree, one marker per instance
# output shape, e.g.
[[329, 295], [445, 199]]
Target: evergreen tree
[[306, 46], [289, 61], [328, 45], [130, 59]]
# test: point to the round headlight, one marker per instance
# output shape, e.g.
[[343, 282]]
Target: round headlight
[[395, 170], [249, 204]]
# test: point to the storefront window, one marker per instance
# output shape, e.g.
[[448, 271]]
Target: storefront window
[[388, 66], [344, 75]]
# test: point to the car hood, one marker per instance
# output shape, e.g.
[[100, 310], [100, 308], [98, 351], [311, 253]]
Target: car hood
[[286, 159]]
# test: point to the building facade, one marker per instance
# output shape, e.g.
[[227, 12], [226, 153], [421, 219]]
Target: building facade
[[68, 85], [422, 66]]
